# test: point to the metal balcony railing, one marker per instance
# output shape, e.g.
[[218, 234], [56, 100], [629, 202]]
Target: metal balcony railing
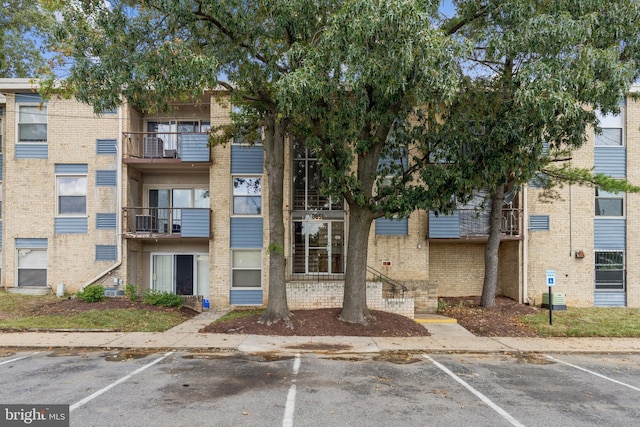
[[476, 223], [191, 146], [143, 221]]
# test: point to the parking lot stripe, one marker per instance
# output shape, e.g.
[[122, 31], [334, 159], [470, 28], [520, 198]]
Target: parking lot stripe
[[121, 380], [18, 358], [481, 396], [592, 373], [291, 396]]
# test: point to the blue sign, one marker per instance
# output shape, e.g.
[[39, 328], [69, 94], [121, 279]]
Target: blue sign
[[551, 278]]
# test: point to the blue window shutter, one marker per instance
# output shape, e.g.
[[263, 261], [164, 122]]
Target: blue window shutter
[[610, 233], [106, 178], [247, 159], [245, 297], [611, 161], [539, 222], [106, 253], [32, 151], [106, 146], [26, 243], [106, 221], [71, 168], [71, 225], [392, 227], [444, 226], [246, 233]]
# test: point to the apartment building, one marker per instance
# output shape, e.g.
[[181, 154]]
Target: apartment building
[[133, 197]]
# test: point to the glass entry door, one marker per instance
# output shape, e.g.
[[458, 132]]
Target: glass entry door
[[318, 247], [180, 274]]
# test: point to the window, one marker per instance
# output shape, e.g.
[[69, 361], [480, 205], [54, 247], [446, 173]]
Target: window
[[609, 270], [247, 195], [72, 195], [609, 204], [611, 126], [32, 267], [246, 269], [32, 123], [308, 180], [0, 131]]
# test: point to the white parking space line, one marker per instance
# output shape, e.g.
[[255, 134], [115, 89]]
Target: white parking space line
[[481, 396], [592, 373], [18, 358], [291, 396], [121, 380]]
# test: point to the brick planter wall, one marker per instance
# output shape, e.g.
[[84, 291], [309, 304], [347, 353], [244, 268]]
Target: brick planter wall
[[310, 295]]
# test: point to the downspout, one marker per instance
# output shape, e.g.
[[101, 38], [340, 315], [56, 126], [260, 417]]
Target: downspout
[[118, 261], [525, 246]]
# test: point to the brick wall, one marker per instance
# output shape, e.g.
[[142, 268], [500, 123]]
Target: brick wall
[[311, 295]]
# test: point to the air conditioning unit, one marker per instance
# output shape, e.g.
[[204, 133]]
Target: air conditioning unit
[[146, 223], [152, 147]]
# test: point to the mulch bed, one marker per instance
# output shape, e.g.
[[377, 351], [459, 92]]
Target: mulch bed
[[502, 320], [324, 322]]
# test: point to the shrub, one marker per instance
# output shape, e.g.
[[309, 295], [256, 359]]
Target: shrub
[[164, 299], [92, 293], [131, 291]]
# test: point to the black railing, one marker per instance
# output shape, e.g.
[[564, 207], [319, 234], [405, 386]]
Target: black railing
[[379, 276], [155, 145], [153, 220], [474, 222]]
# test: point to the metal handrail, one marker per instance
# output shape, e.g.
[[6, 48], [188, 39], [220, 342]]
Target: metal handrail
[[384, 277]]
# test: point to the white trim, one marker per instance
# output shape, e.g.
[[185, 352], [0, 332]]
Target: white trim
[[19, 105], [231, 252]]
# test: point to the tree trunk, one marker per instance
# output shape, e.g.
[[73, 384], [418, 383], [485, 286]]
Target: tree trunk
[[277, 307], [354, 306], [491, 250]]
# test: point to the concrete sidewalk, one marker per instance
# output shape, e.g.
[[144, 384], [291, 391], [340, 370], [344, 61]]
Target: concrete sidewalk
[[446, 336]]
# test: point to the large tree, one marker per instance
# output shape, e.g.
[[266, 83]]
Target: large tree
[[366, 95], [537, 73], [122, 48], [24, 28]]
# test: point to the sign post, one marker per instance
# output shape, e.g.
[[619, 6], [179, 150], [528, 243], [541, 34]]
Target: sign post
[[551, 281]]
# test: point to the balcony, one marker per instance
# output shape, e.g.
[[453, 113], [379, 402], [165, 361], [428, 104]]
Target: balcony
[[166, 223], [166, 147], [473, 224]]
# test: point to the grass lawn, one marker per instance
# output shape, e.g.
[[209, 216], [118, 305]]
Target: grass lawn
[[13, 307], [587, 322]]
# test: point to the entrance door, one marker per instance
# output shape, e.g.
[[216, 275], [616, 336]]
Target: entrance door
[[318, 247]]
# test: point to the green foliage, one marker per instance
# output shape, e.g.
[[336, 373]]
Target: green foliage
[[131, 291], [165, 299], [92, 293], [23, 24], [276, 248]]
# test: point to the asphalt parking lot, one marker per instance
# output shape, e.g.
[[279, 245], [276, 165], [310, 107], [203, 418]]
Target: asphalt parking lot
[[138, 388]]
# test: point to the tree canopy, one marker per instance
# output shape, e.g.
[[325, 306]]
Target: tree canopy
[[24, 28]]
